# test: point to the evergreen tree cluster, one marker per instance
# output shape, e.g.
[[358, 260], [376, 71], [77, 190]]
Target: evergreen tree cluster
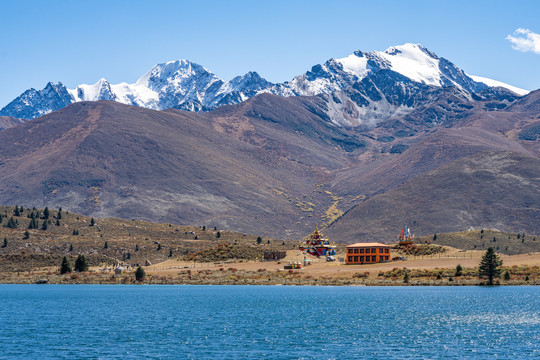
[[81, 264], [12, 223]]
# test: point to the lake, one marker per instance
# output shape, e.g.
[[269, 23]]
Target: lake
[[270, 322]]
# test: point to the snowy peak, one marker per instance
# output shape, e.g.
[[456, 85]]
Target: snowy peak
[[101, 90], [34, 103], [175, 73], [251, 81], [189, 86]]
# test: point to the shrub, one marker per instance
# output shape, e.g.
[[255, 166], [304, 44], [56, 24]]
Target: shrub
[[459, 270], [406, 277]]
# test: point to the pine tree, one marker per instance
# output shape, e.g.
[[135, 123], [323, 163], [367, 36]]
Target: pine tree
[[59, 216], [11, 224], [137, 247], [81, 264], [506, 275], [46, 213], [26, 235], [92, 222], [140, 274], [434, 237], [406, 277], [489, 265], [45, 225], [33, 222], [17, 212], [170, 252], [259, 239], [70, 247], [65, 267], [106, 246], [204, 228], [57, 222], [75, 232], [5, 243], [218, 234], [158, 247]]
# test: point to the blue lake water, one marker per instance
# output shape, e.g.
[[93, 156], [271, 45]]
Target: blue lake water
[[270, 322]]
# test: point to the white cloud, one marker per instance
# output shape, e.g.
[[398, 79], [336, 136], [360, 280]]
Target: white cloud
[[525, 40]]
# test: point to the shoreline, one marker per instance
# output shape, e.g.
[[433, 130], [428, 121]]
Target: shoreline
[[523, 269]]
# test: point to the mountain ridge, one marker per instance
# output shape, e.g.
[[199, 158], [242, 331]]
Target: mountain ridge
[[188, 86]]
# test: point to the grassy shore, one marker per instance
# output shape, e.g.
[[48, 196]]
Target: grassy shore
[[233, 276], [430, 271]]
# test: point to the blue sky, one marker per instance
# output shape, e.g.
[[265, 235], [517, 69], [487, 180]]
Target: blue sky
[[82, 41]]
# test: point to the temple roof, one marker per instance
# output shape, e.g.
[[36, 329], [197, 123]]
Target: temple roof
[[368, 244]]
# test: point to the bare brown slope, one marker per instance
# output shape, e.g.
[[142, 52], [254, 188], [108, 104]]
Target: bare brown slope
[[109, 159], [499, 190], [7, 121], [271, 165]]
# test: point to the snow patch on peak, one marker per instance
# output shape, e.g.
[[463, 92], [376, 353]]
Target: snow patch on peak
[[355, 64], [495, 83], [101, 90], [415, 62]]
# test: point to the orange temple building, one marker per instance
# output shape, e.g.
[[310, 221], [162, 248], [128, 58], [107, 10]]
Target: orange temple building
[[367, 253]]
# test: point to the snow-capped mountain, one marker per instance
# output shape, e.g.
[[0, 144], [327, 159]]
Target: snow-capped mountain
[[413, 61], [185, 85]]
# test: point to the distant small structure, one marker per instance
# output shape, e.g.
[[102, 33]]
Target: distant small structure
[[405, 238], [367, 253], [274, 255], [317, 245]]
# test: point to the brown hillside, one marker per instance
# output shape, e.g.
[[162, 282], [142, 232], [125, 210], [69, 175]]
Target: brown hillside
[[8, 121], [498, 190], [271, 165]]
